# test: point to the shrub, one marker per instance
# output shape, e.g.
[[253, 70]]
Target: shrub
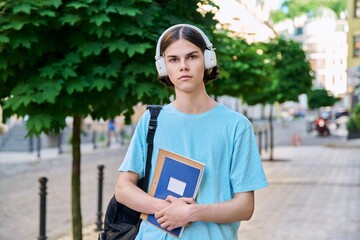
[[353, 125]]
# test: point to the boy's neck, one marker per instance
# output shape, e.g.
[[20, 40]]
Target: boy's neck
[[191, 104]]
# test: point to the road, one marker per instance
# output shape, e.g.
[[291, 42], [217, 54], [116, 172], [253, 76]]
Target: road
[[284, 131]]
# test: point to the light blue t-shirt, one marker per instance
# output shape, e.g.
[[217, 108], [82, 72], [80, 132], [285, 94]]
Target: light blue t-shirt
[[222, 139]]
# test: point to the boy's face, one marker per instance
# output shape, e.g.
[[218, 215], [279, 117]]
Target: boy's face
[[185, 66]]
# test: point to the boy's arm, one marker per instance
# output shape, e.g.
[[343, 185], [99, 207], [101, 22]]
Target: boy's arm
[[240, 208], [129, 194], [180, 213]]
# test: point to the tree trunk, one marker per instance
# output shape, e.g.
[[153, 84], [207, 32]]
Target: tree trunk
[[75, 180], [271, 133]]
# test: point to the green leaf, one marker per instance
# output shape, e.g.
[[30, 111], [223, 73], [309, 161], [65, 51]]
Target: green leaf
[[112, 72], [56, 3], [77, 5], [99, 70], [119, 45], [136, 68], [143, 89], [70, 19], [91, 48], [22, 8], [45, 91], [77, 86], [110, 9], [48, 71], [101, 84], [47, 96], [138, 48], [100, 19], [38, 122], [129, 80], [130, 30], [102, 31], [3, 63], [68, 72], [17, 25], [127, 11], [4, 38], [19, 96], [39, 21], [71, 59], [108, 72], [48, 13], [20, 39]]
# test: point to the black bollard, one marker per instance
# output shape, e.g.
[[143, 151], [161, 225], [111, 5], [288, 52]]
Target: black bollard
[[42, 234], [266, 138], [99, 222], [60, 136], [260, 140]]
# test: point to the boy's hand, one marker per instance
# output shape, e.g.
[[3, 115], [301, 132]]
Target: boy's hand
[[177, 214]]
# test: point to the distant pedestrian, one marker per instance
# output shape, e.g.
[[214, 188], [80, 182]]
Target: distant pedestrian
[[111, 131]]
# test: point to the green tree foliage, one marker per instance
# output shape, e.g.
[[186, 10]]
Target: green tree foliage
[[289, 77], [77, 58], [292, 8], [243, 67], [353, 125], [290, 73], [318, 98]]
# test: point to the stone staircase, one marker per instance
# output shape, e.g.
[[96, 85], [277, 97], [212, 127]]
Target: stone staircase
[[14, 139]]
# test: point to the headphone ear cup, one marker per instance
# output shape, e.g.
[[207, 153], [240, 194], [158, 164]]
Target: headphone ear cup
[[160, 66], [209, 58]]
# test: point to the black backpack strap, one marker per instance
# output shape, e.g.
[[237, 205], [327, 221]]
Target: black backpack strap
[[154, 113]]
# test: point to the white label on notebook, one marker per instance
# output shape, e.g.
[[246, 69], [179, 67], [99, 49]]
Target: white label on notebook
[[176, 186]]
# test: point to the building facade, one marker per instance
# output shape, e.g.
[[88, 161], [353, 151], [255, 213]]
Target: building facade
[[324, 39], [353, 37], [246, 19]]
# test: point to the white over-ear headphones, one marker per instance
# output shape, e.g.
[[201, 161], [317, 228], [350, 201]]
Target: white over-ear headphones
[[209, 53]]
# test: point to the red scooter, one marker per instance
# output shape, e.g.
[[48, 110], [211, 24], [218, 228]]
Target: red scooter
[[321, 126]]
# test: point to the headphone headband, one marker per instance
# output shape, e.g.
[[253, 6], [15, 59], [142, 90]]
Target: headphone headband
[[206, 39]]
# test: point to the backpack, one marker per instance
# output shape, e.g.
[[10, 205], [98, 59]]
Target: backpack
[[120, 221]]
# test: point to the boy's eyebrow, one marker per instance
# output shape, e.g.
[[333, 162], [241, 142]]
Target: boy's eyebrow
[[190, 53]]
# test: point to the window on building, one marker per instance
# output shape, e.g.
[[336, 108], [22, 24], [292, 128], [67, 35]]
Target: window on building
[[298, 31], [357, 45], [357, 9], [320, 63], [315, 48]]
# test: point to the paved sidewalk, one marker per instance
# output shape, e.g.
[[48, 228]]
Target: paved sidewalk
[[49, 153], [313, 194]]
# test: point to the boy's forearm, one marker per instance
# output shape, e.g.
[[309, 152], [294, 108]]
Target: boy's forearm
[[132, 196], [140, 201], [240, 208]]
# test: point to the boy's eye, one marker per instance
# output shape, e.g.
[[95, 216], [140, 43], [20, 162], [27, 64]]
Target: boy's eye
[[172, 59]]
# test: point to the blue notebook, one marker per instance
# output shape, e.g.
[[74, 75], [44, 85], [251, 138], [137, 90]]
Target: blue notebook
[[174, 175]]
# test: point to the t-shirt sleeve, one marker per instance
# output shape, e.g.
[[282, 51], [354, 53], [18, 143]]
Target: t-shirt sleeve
[[247, 173], [135, 156]]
